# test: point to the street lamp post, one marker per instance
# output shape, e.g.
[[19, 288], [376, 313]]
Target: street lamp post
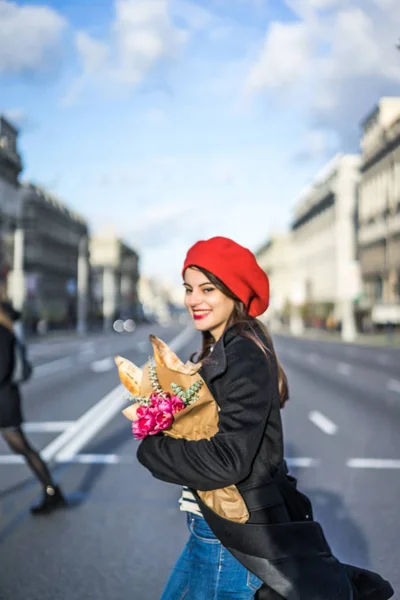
[[83, 285]]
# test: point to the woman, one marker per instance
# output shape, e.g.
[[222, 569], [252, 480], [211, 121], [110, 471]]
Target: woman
[[11, 416], [280, 551]]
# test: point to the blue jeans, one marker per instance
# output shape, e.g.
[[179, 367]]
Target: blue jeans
[[207, 571]]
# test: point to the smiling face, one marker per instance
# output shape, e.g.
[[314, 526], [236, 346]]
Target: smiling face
[[208, 306]]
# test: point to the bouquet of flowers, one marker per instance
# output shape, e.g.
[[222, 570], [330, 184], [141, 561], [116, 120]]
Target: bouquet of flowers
[[170, 397]]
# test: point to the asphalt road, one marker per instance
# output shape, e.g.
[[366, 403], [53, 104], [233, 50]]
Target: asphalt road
[[123, 531]]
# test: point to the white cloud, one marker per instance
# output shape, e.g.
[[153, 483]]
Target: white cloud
[[343, 60], [283, 59], [141, 36], [144, 34], [30, 38], [202, 196], [318, 145], [93, 53], [194, 16]]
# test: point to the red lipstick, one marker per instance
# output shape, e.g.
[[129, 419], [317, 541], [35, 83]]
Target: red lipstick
[[198, 316]]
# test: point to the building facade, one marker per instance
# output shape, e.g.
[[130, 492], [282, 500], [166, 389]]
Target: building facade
[[325, 275], [379, 213], [161, 300], [10, 168], [49, 240], [275, 258], [115, 275]]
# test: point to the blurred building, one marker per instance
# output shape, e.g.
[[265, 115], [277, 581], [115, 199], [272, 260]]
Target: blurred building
[[49, 236], [160, 300], [115, 275], [379, 212], [275, 259], [325, 276], [10, 168]]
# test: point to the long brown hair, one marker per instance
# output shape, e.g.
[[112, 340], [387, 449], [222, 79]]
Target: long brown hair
[[5, 319], [241, 317]]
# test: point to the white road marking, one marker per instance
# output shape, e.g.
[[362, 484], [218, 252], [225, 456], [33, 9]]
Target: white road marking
[[325, 424], [53, 366], [101, 366], [69, 443], [84, 427], [47, 426], [343, 369], [11, 459], [303, 462], [393, 385], [373, 463], [116, 459], [96, 459]]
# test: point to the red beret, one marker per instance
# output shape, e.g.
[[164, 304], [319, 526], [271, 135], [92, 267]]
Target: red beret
[[236, 267]]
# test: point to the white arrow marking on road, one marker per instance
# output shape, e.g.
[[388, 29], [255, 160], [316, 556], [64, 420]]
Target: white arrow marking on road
[[344, 369], [373, 463], [50, 426], [325, 424], [393, 385], [101, 366]]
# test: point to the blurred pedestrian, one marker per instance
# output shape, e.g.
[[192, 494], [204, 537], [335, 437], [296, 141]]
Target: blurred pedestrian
[[11, 414], [280, 553]]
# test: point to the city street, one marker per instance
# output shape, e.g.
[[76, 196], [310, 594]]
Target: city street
[[122, 531]]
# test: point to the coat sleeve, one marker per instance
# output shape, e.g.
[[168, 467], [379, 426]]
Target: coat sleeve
[[6, 355], [228, 456]]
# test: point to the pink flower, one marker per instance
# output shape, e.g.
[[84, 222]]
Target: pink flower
[[163, 421], [177, 404], [152, 410], [143, 426], [157, 416], [155, 398], [165, 405], [141, 411]]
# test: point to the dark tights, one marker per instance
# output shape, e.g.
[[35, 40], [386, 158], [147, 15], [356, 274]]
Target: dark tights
[[18, 443]]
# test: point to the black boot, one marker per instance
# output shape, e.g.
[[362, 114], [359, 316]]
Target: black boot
[[52, 500]]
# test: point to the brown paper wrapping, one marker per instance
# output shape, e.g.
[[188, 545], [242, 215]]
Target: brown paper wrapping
[[197, 421]]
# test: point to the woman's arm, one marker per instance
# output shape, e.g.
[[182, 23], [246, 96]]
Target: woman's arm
[[227, 457]]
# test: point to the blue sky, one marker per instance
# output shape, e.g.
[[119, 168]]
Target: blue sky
[[177, 120]]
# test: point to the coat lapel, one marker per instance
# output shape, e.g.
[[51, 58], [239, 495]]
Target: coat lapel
[[215, 365]]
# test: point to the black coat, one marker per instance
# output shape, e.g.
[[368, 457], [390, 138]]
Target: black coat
[[281, 543], [10, 401]]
